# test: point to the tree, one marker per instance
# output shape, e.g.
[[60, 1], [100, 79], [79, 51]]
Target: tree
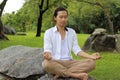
[[2, 35], [115, 12], [42, 11], [106, 12]]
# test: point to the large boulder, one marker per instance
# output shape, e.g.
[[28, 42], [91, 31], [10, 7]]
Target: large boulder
[[24, 63], [99, 41], [21, 61], [117, 42], [9, 30]]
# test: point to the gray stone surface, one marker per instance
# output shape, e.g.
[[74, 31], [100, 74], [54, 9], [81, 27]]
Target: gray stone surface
[[21, 61], [99, 31], [99, 41], [117, 42], [9, 30], [50, 77]]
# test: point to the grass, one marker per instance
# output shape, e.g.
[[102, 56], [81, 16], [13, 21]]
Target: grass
[[107, 68], [29, 40]]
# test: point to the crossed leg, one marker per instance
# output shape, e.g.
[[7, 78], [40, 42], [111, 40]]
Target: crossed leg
[[75, 69]]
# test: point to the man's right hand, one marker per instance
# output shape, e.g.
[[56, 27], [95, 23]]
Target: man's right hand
[[47, 56]]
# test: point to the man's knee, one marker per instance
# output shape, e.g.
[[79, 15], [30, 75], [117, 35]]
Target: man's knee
[[92, 63], [45, 64]]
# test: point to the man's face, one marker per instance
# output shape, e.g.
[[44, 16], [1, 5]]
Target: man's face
[[61, 18]]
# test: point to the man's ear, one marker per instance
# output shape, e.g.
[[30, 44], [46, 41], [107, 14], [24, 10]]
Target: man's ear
[[54, 19]]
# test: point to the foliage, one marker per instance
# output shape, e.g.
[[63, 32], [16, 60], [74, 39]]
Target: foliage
[[25, 18], [83, 17]]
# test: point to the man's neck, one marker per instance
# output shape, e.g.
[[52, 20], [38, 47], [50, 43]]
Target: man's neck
[[61, 28]]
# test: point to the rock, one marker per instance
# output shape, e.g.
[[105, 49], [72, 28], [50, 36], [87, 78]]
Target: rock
[[50, 77], [99, 41], [9, 30], [117, 42], [99, 31], [21, 61]]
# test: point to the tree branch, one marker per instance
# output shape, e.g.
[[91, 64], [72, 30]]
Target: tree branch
[[95, 3], [41, 5], [46, 6], [2, 5]]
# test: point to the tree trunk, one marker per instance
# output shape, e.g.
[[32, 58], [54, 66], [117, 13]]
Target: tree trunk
[[109, 21], [42, 11], [2, 35], [39, 25]]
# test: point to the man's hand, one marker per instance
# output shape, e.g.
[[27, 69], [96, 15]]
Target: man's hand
[[96, 56], [47, 56]]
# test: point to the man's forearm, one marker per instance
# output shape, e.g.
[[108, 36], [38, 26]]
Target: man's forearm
[[84, 55]]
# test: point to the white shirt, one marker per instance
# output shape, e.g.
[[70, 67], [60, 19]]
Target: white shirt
[[65, 52], [52, 42]]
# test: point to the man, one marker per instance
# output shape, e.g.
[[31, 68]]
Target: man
[[59, 41]]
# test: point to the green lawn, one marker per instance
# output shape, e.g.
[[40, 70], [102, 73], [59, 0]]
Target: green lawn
[[107, 68], [29, 40]]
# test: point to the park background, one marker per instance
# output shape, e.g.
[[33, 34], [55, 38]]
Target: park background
[[84, 17]]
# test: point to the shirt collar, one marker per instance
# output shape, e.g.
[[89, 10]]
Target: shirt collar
[[55, 29]]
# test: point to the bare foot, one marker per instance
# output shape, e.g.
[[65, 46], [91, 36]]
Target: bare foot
[[83, 76], [55, 77]]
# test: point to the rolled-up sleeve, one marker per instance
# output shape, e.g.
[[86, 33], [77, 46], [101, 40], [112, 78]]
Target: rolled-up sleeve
[[47, 42], [75, 48]]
